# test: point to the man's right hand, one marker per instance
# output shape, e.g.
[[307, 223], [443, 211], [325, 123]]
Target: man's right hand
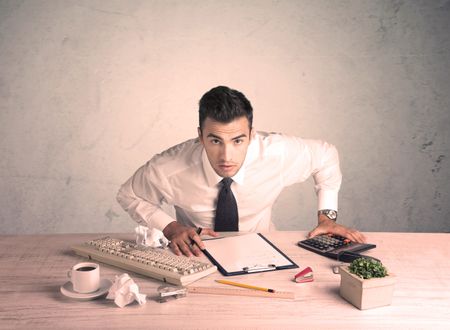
[[185, 240]]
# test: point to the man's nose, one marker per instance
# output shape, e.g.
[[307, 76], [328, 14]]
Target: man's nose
[[227, 153]]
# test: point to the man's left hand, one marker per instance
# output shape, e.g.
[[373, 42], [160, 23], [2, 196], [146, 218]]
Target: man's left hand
[[327, 226]]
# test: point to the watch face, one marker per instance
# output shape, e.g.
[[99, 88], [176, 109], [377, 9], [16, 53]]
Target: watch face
[[332, 214]]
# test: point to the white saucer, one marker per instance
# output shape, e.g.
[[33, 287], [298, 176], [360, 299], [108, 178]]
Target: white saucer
[[67, 290]]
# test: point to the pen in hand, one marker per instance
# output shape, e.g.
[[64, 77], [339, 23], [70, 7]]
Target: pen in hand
[[247, 286]]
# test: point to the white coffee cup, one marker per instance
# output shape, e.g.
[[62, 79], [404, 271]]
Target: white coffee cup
[[85, 277]]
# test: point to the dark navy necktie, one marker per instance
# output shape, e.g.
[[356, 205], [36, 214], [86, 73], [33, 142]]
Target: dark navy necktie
[[227, 218]]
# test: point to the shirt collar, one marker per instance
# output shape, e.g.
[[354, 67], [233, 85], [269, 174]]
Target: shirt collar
[[213, 178]]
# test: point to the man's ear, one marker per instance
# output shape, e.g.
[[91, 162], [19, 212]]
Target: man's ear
[[252, 133]]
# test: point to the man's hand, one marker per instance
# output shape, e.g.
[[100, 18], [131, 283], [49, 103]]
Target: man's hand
[[185, 240], [327, 226]]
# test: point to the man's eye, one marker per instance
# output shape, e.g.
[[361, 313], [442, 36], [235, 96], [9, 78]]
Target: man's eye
[[215, 141], [238, 141]]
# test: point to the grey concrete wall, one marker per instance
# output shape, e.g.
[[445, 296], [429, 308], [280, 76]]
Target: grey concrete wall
[[89, 90]]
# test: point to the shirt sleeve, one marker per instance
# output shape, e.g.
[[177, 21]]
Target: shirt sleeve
[[142, 196], [303, 158]]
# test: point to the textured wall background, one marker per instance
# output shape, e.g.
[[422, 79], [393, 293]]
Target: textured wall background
[[90, 90]]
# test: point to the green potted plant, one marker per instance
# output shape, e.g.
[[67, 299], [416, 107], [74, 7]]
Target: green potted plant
[[366, 283]]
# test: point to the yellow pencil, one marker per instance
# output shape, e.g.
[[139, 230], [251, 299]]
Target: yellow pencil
[[242, 285]]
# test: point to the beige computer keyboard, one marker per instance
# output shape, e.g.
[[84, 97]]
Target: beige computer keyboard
[[153, 262]]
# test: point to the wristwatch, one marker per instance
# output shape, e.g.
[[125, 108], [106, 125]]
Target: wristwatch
[[331, 214]]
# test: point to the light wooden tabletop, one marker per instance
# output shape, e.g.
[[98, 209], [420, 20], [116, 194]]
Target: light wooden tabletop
[[33, 267]]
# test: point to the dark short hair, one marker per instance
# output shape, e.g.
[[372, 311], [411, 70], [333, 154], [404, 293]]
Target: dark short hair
[[224, 105]]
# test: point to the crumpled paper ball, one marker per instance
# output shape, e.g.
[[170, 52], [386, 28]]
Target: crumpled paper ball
[[124, 291], [154, 239]]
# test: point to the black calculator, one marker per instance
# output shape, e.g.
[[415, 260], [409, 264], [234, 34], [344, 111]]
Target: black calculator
[[333, 246]]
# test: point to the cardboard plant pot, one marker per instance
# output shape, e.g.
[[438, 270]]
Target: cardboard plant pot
[[366, 293]]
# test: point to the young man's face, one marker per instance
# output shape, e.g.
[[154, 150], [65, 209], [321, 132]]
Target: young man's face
[[226, 144]]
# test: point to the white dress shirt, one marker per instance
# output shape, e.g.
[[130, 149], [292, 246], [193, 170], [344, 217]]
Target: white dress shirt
[[183, 177]]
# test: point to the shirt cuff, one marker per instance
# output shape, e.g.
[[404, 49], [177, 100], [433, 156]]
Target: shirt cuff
[[327, 200], [160, 219]]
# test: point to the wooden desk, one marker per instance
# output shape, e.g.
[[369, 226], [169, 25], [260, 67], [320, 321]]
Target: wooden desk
[[32, 269]]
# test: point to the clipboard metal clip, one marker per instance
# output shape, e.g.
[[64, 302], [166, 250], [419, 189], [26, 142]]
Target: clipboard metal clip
[[259, 268]]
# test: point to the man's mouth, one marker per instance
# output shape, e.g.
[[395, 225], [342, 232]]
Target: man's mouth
[[226, 166]]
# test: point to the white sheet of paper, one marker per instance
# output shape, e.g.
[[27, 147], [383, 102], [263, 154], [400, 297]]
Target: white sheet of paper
[[237, 252]]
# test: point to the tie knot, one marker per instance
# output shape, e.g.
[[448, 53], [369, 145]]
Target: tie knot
[[227, 182]]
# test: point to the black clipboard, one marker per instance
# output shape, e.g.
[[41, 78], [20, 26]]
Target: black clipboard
[[246, 254]]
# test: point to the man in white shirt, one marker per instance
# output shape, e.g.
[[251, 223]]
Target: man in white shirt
[[189, 177]]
